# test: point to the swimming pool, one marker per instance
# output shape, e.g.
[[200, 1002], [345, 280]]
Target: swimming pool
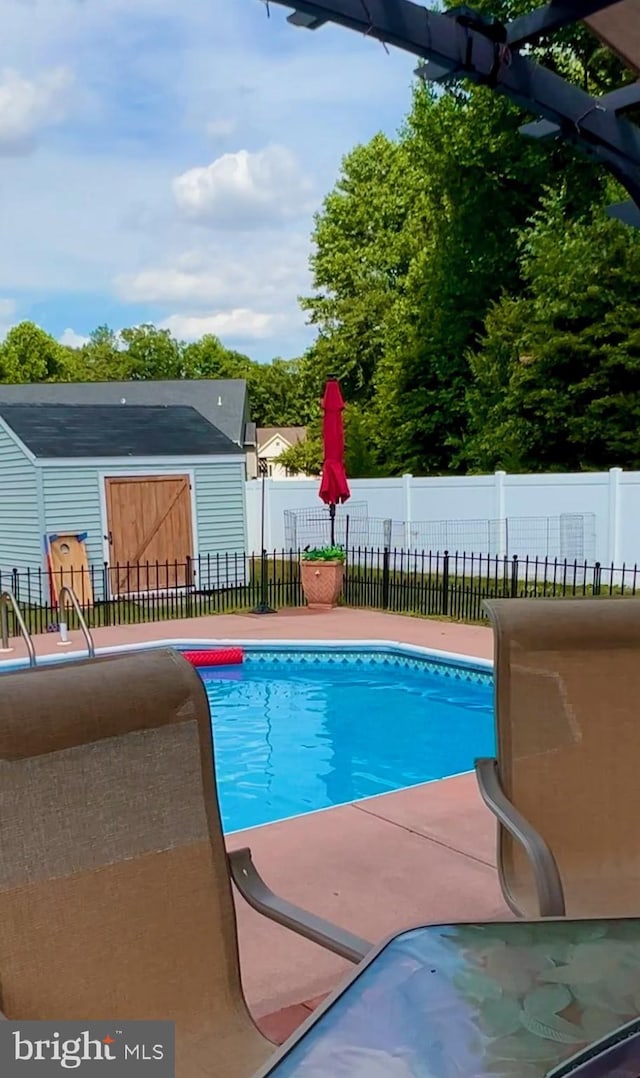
[[303, 727], [298, 731]]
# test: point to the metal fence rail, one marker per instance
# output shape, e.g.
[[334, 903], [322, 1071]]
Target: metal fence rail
[[570, 535], [427, 582], [312, 527]]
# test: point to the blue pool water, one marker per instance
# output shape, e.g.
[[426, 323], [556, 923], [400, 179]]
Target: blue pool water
[[296, 736]]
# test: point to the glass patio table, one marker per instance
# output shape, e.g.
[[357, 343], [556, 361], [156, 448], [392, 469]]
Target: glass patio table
[[492, 1000]]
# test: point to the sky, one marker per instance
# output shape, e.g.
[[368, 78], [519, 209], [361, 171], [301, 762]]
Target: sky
[[161, 161]]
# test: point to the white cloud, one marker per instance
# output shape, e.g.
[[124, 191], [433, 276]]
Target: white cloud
[[265, 271], [96, 205], [239, 324], [28, 105], [72, 339], [244, 190], [246, 288], [220, 128], [171, 285]]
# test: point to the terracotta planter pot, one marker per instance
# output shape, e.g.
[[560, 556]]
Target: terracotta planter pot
[[321, 583]]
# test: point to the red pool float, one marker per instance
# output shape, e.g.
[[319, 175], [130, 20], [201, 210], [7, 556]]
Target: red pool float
[[215, 657]]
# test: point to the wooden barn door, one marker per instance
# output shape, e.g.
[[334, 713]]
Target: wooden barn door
[[150, 533]]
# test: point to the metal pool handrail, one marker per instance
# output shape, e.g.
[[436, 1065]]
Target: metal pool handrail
[[66, 590], [8, 599]]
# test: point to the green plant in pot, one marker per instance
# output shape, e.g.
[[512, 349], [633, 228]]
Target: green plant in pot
[[322, 576]]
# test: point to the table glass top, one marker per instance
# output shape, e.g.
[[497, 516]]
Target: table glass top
[[484, 1001]]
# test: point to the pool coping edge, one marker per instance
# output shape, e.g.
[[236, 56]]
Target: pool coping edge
[[393, 646]]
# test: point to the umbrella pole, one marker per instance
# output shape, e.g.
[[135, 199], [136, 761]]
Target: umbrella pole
[[263, 606], [332, 517]]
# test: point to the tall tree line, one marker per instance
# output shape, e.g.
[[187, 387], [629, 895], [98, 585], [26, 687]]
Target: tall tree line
[[470, 292], [29, 354]]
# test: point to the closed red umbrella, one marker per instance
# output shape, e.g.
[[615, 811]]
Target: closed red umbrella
[[334, 487]]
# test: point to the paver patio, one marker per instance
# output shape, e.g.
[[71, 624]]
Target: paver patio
[[418, 855]]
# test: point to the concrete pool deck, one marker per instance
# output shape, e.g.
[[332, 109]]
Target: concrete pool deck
[[416, 856], [296, 623], [426, 854]]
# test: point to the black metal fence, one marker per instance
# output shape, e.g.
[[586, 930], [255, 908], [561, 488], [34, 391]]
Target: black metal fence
[[427, 583], [455, 585]]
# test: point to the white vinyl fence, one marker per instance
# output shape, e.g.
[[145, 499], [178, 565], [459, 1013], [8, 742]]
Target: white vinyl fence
[[590, 516]]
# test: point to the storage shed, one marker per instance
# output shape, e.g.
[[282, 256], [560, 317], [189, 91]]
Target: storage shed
[[223, 401], [136, 485]]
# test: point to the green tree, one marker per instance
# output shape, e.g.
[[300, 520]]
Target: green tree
[[151, 353], [101, 359], [138, 352], [307, 455], [275, 389], [573, 51], [361, 254], [208, 358], [420, 237], [482, 181], [145, 352], [557, 376], [29, 354], [277, 394]]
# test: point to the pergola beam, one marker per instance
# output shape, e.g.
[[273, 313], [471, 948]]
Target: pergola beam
[[624, 98], [464, 44], [307, 22], [527, 29]]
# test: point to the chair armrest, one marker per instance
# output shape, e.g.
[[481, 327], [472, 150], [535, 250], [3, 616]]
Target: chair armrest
[[255, 891], [545, 870]]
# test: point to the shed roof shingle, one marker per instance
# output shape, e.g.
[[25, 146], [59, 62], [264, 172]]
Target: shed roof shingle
[[85, 430], [222, 401]]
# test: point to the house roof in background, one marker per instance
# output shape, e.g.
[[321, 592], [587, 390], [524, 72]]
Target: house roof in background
[[52, 431], [292, 435], [223, 402]]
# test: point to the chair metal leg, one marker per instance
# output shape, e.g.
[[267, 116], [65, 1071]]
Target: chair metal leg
[[255, 891]]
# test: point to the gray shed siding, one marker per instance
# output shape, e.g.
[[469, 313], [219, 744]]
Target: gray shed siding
[[74, 494], [221, 512], [21, 529], [71, 495], [221, 525]]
